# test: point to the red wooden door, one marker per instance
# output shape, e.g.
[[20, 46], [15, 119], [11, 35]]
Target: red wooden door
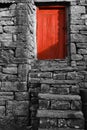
[[51, 33]]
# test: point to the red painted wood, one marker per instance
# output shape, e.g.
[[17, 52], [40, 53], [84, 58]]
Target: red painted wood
[[51, 34]]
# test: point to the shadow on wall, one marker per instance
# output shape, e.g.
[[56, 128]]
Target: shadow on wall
[[53, 52], [83, 94]]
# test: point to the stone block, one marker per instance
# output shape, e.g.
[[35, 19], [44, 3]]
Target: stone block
[[44, 104], [74, 89], [8, 77], [5, 13], [60, 105], [10, 70], [78, 38], [72, 75], [76, 105], [81, 45], [41, 75], [82, 51], [23, 70], [77, 10], [22, 122], [84, 16], [14, 86], [59, 76], [6, 96], [76, 124], [62, 123], [2, 111], [76, 21], [45, 88], [73, 48], [19, 108], [77, 57], [20, 96], [83, 32], [21, 52], [2, 102], [6, 22], [4, 38], [48, 123], [10, 29], [56, 90], [60, 114]]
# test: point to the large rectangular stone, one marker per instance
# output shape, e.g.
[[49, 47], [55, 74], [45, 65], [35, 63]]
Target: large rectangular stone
[[60, 105], [6, 96], [14, 86], [6, 38], [23, 70], [2, 111], [77, 9], [10, 70], [8, 77], [10, 29], [20, 96], [41, 75], [20, 108], [60, 114]]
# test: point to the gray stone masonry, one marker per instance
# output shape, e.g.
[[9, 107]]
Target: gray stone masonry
[[41, 94]]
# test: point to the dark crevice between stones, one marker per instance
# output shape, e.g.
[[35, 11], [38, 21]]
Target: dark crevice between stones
[[34, 104], [83, 94], [5, 5]]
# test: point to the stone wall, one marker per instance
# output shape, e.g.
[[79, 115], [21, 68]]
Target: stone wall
[[14, 62], [18, 60], [59, 77]]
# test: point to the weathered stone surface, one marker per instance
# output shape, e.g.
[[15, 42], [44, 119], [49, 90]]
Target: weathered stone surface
[[60, 105], [73, 48], [60, 76], [17, 108], [23, 70], [59, 97], [45, 88], [74, 89], [47, 123], [10, 70], [60, 114], [44, 104], [21, 96], [7, 77], [72, 75], [59, 90], [78, 38], [82, 51], [77, 57], [41, 75], [76, 105], [77, 124], [2, 111], [6, 96], [77, 9], [6, 22], [1, 30], [14, 86], [9, 29]]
